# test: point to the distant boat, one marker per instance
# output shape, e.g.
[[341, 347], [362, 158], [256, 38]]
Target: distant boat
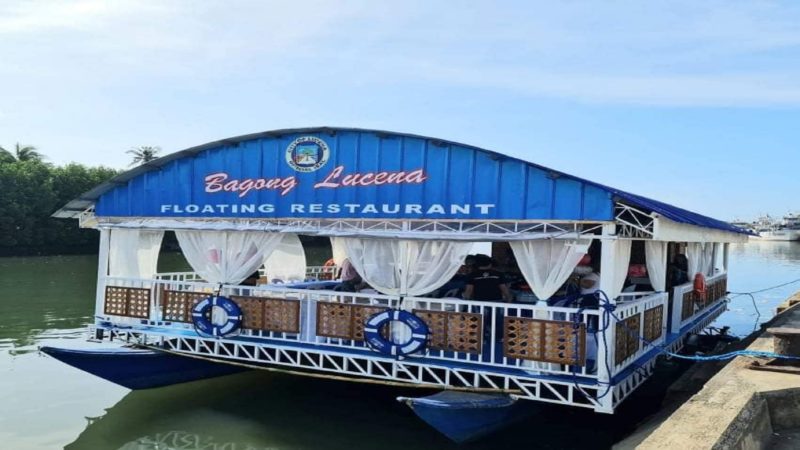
[[787, 229]]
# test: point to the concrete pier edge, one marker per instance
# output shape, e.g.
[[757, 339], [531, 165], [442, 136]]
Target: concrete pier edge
[[737, 408]]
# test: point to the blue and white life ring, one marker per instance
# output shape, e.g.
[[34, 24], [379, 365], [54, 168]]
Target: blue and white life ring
[[419, 333], [201, 316]]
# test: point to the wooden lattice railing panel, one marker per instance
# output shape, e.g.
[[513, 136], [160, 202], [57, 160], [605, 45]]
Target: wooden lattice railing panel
[[627, 334], [334, 320], [453, 331], [177, 305], [693, 302], [252, 311], [654, 323], [687, 305], [127, 302], [360, 314], [281, 315], [550, 341], [338, 320]]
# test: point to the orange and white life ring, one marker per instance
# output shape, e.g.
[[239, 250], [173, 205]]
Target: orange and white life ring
[[700, 284]]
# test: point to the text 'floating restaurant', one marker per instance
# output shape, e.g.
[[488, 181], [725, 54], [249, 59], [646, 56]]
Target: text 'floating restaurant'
[[404, 213]]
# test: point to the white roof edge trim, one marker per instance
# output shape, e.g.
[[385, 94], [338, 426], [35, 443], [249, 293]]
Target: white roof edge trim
[[224, 225], [667, 230]]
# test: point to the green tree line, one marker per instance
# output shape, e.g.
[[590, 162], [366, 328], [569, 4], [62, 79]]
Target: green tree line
[[30, 191]]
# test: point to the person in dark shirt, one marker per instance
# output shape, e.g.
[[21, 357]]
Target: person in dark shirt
[[485, 283], [678, 271]]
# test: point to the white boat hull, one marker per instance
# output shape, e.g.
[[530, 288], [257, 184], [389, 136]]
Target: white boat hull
[[780, 235]]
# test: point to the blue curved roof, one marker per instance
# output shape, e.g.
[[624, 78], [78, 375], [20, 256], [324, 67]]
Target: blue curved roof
[[335, 173]]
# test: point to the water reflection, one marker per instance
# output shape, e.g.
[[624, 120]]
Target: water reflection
[[259, 410], [181, 440], [755, 266]]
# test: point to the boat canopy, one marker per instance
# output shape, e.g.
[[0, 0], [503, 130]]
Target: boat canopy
[[345, 181]]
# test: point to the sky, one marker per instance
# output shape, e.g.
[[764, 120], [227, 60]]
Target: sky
[[692, 103]]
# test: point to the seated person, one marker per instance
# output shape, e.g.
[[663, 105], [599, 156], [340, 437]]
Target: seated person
[[456, 285], [485, 283], [348, 271], [351, 285], [351, 280], [678, 270]]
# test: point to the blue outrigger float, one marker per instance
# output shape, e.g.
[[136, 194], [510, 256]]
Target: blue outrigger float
[[404, 212]]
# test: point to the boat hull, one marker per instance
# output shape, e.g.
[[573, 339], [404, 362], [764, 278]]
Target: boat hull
[[140, 369], [780, 235], [465, 416]]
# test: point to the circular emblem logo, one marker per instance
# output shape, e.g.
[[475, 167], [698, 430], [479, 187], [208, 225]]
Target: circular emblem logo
[[307, 154]]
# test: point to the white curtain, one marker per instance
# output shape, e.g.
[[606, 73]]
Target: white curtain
[[226, 256], [622, 262], [405, 267], [288, 261], [719, 258], [547, 263], [655, 253], [134, 253], [694, 258], [339, 252], [708, 258]]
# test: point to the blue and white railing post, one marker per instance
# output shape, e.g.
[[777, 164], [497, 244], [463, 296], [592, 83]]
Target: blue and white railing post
[[102, 271], [605, 347]]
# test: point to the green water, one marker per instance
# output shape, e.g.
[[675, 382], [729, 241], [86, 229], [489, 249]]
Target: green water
[[45, 404]]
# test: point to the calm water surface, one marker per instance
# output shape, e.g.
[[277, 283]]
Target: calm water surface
[[47, 405]]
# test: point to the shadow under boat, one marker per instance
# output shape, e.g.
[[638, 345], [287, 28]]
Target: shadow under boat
[[461, 416], [276, 409]]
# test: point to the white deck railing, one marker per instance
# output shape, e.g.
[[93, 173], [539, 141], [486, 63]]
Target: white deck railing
[[679, 319], [492, 313], [312, 273], [645, 308]]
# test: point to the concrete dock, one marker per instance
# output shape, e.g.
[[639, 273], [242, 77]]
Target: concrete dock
[[738, 407]]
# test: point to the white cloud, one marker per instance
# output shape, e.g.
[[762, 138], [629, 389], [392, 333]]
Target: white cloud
[[718, 53]]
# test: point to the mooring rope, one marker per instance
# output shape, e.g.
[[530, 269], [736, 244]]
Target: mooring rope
[[609, 308]]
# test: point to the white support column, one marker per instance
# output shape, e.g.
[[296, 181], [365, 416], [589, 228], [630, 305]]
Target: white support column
[[102, 270], [726, 253], [608, 255], [606, 345]]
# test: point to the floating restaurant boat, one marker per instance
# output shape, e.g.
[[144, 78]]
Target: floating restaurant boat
[[405, 211]]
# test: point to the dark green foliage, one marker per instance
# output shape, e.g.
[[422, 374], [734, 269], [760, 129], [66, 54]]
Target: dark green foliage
[[30, 191]]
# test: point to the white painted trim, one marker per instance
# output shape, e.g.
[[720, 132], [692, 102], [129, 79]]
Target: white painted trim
[[670, 231], [102, 270]]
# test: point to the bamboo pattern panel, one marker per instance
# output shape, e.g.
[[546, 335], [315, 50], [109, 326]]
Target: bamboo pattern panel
[[687, 305], [334, 320], [653, 323], [627, 334], [453, 331], [252, 312], [127, 302], [177, 305], [360, 315], [550, 341], [281, 315]]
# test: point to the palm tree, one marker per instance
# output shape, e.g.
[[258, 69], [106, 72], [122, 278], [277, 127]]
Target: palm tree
[[21, 153], [144, 154]]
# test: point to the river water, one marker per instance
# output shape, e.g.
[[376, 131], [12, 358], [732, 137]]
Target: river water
[[45, 404]]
